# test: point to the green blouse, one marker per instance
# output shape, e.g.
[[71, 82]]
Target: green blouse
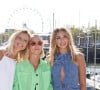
[[28, 79]]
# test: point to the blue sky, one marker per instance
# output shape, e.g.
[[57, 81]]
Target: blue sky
[[13, 13]]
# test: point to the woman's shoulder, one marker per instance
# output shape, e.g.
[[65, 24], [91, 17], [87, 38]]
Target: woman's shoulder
[[80, 58], [45, 64], [43, 61], [22, 65], [79, 55]]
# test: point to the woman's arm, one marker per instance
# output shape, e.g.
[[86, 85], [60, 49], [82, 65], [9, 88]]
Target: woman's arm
[[82, 71], [1, 54]]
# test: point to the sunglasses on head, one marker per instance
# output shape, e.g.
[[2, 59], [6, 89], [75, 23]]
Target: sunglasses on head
[[32, 43]]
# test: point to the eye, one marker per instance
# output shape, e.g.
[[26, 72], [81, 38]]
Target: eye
[[19, 38], [65, 36], [32, 43], [25, 41], [40, 43], [22, 39], [57, 38]]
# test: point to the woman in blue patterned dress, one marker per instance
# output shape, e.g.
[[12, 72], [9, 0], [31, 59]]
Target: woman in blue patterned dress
[[67, 62]]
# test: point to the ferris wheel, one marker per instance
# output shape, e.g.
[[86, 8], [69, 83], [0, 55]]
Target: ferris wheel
[[28, 18]]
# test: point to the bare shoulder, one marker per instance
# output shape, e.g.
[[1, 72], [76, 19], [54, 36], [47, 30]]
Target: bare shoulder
[[79, 55], [80, 59]]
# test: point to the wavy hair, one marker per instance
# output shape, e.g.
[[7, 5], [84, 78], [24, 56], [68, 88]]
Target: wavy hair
[[23, 54], [54, 49]]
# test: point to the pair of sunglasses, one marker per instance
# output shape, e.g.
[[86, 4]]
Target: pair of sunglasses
[[36, 43]]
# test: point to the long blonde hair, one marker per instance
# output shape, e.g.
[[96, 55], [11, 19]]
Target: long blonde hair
[[54, 49], [23, 54]]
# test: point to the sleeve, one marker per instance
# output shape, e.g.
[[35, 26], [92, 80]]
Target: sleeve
[[15, 82], [50, 85]]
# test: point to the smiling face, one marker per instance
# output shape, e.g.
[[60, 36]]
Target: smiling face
[[36, 45], [62, 40], [21, 41]]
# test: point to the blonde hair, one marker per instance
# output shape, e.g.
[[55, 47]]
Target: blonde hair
[[54, 49], [36, 35], [23, 54]]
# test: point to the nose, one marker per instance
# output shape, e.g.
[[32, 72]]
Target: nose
[[62, 39]]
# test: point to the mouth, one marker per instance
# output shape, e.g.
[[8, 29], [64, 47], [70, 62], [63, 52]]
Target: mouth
[[19, 45], [63, 44], [36, 49]]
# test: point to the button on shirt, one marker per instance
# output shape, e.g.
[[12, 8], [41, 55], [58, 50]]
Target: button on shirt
[[28, 79], [71, 78]]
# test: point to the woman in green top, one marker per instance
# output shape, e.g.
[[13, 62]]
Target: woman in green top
[[33, 74]]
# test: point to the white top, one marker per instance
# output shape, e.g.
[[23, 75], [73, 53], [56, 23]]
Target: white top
[[7, 69]]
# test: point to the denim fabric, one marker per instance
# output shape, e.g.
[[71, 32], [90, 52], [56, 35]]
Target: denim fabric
[[71, 78]]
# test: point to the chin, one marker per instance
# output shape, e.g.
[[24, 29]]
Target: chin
[[62, 47]]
